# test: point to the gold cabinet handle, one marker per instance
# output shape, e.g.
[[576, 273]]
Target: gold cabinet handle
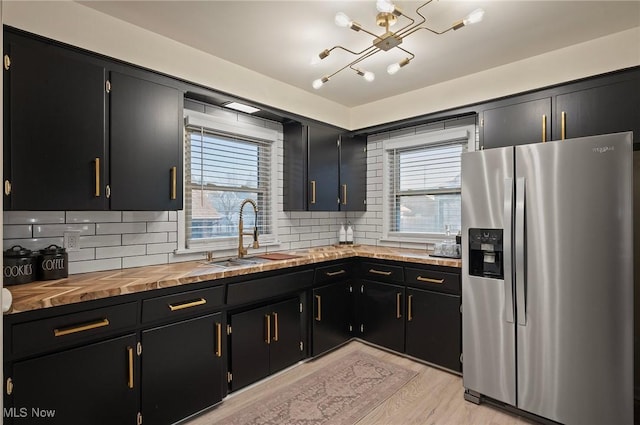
[[174, 182], [339, 272], [218, 339], [96, 192], [267, 319], [344, 194], [383, 273], [188, 304], [81, 328], [563, 132], [130, 354], [319, 310], [544, 128], [313, 191], [9, 386], [429, 280], [7, 187], [409, 312], [275, 325], [398, 312]]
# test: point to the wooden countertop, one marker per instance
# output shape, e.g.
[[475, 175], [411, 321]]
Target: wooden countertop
[[96, 285]]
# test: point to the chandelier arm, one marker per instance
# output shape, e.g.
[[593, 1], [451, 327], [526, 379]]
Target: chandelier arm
[[370, 33], [355, 61], [408, 26], [428, 29], [408, 52], [350, 51], [402, 32]]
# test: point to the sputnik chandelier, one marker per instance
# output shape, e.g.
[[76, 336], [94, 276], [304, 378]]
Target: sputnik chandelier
[[387, 16]]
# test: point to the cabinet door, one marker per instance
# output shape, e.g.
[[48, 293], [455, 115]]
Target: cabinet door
[[599, 110], [286, 334], [295, 186], [88, 385], [516, 124], [323, 169], [54, 129], [353, 173], [332, 307], [381, 311], [434, 331], [182, 369], [146, 145], [249, 347]]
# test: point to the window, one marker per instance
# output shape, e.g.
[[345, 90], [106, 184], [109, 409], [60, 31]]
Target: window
[[422, 183], [224, 166]]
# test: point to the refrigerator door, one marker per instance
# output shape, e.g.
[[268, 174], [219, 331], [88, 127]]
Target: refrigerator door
[[575, 288], [488, 328]]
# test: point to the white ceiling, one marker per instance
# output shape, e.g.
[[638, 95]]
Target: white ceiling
[[278, 38]]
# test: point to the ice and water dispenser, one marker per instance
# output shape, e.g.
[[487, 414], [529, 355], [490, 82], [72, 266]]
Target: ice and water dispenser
[[485, 253]]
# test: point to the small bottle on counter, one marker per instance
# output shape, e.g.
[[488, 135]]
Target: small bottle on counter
[[349, 234], [342, 235]]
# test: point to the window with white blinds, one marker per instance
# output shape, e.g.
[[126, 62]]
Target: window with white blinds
[[422, 184], [222, 170]]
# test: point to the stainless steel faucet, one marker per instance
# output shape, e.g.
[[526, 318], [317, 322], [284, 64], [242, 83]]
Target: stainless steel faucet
[[242, 251]]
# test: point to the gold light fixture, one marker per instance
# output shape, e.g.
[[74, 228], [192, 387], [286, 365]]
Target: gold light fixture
[[388, 15]]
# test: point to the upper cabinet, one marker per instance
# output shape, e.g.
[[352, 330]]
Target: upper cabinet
[[84, 133], [54, 131], [323, 170], [600, 105]]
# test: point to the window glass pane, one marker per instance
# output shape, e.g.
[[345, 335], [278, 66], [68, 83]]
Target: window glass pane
[[428, 214], [430, 168], [215, 214]]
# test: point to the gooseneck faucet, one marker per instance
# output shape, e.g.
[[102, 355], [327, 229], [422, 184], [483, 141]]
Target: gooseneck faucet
[[242, 251]]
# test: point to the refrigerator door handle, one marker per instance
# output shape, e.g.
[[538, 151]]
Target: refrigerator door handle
[[507, 245], [520, 247]]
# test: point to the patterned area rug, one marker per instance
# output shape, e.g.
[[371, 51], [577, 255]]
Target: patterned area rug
[[340, 394]]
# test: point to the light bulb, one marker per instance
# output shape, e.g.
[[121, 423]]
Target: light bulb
[[342, 20], [393, 68], [319, 82], [369, 76], [385, 6], [474, 17]]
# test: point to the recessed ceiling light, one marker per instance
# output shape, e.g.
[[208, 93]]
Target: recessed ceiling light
[[241, 107]]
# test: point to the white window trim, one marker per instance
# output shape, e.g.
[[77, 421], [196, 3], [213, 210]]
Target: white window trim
[[433, 137], [194, 118]]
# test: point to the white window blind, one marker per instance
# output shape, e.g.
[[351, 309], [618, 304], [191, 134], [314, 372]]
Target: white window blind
[[222, 170], [424, 188]]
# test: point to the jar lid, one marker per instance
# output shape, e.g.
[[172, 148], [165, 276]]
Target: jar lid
[[52, 249], [17, 251]]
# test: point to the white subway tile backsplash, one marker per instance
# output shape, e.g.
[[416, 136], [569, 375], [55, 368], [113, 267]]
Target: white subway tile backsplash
[[172, 237], [102, 240], [145, 260], [93, 216], [143, 238], [129, 216], [119, 228], [161, 248], [83, 254], [51, 230], [120, 251], [169, 226], [94, 265], [18, 231], [30, 217]]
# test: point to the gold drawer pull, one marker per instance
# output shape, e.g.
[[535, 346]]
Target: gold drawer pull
[[174, 182], [130, 353], [267, 319], [319, 311], [313, 191], [544, 128], [429, 280], [335, 273], [374, 271], [81, 328], [218, 340], [275, 325], [189, 304], [398, 312], [344, 194], [563, 131], [96, 192], [409, 312]]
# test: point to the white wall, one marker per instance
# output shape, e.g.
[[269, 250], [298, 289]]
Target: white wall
[[78, 25]]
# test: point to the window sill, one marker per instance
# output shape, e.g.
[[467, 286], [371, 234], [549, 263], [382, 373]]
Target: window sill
[[224, 248]]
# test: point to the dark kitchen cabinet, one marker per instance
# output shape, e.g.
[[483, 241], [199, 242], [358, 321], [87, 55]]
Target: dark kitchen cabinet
[[332, 315], [94, 384], [146, 148], [380, 309], [524, 121], [54, 129], [318, 174], [182, 368], [264, 340], [610, 108], [433, 331]]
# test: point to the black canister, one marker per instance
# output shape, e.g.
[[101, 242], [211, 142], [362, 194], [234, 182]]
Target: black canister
[[19, 266], [53, 263]]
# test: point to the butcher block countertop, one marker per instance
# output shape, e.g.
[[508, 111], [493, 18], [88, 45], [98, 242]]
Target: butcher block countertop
[[96, 285]]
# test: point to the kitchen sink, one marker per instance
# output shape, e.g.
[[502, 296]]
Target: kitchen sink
[[238, 262]]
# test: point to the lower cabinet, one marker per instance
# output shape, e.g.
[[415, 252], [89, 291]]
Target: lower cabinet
[[332, 316], [264, 340], [433, 328], [381, 313], [94, 384], [182, 368]]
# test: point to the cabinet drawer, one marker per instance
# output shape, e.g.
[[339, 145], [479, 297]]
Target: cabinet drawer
[[382, 272], [182, 304], [433, 280], [269, 287], [332, 273], [68, 329]]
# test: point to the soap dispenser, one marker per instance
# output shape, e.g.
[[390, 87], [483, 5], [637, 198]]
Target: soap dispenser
[[342, 235], [349, 234]]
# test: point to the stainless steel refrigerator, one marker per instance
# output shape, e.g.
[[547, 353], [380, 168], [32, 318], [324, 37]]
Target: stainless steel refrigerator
[[547, 278]]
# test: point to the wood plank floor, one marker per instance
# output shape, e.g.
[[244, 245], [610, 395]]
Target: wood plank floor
[[432, 397]]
